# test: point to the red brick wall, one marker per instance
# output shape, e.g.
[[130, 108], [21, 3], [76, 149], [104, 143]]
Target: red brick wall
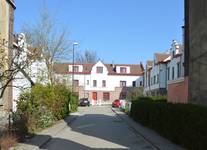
[[178, 92]]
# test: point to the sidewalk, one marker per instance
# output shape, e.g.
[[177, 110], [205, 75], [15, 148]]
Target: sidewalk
[[147, 134], [41, 138]]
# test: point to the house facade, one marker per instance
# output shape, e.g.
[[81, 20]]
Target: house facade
[[100, 82], [177, 84], [147, 77], [155, 75], [7, 8]]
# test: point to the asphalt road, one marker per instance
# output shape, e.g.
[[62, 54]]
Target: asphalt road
[[97, 128]]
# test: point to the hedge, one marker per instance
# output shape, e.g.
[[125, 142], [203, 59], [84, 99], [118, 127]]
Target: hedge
[[183, 124]]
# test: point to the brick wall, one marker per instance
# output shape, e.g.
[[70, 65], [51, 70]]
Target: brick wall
[[178, 92]]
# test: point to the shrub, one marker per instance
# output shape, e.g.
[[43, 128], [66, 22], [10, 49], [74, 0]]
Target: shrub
[[184, 124], [151, 98], [73, 103], [39, 107]]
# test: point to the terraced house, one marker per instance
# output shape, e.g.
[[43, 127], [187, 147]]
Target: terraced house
[[155, 75], [177, 85], [104, 82], [165, 75]]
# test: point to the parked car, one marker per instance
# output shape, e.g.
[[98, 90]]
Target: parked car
[[84, 102], [116, 103]]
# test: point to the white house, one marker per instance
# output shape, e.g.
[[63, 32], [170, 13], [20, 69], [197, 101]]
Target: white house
[[155, 75], [105, 82], [177, 84]]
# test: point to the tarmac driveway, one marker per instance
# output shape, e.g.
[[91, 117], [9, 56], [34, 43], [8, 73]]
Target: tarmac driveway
[[97, 128]]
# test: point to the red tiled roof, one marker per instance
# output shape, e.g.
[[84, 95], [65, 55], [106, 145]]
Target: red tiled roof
[[161, 57], [62, 68]]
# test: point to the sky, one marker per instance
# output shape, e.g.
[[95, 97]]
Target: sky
[[120, 31]]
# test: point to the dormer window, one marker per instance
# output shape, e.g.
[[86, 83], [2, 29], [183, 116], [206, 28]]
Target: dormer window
[[123, 70], [75, 68], [99, 69]]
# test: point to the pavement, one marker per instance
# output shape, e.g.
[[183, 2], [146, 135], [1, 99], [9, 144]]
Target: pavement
[[97, 127], [41, 138], [148, 135]]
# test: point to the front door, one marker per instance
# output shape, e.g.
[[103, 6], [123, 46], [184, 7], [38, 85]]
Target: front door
[[95, 96]]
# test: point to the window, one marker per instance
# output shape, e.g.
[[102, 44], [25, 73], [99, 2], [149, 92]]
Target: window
[[149, 80], [103, 83], [154, 79], [106, 96], [158, 78], [99, 69], [178, 69], [76, 82], [122, 83], [134, 83], [173, 73], [75, 68], [140, 83], [168, 73], [94, 83], [122, 69], [87, 82], [122, 95]]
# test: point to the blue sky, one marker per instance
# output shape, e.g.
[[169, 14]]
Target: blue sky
[[123, 31]]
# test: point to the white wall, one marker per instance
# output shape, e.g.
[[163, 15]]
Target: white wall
[[38, 73]]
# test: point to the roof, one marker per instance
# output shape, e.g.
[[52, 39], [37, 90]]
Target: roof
[[160, 57], [62, 68]]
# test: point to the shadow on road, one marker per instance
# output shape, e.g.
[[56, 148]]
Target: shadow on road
[[94, 131]]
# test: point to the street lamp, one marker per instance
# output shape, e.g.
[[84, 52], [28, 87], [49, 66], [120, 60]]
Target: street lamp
[[74, 44]]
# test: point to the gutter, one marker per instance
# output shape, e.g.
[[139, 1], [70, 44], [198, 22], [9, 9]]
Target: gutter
[[11, 3]]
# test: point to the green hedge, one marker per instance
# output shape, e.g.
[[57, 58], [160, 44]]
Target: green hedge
[[41, 106], [183, 124]]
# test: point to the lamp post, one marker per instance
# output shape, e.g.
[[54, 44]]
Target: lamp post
[[74, 44]]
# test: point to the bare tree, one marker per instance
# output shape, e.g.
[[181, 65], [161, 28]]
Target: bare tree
[[86, 57], [51, 40]]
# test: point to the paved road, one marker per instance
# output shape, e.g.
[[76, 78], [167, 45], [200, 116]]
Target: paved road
[[97, 128]]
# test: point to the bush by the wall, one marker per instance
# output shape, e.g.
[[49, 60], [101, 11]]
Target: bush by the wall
[[39, 107], [184, 124]]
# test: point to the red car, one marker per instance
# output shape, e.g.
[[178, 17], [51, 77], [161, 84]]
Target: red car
[[116, 103]]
